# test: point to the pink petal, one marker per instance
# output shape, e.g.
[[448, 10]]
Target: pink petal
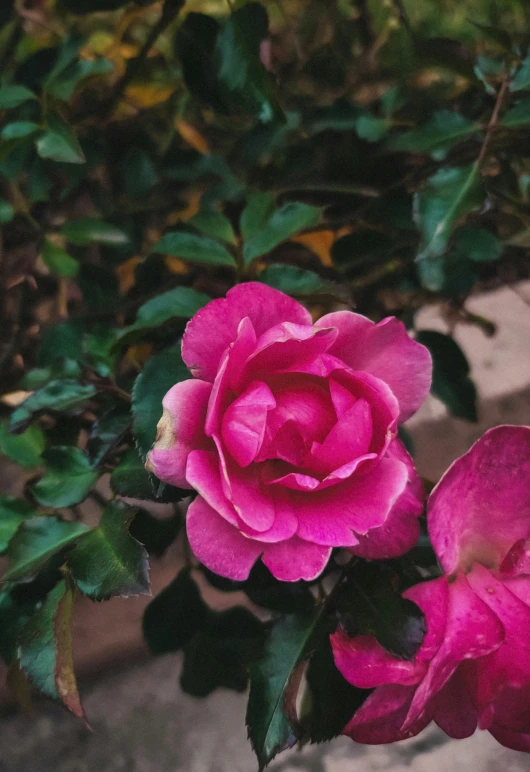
[[514, 740], [380, 718], [203, 473], [365, 663], [330, 516], [243, 423], [401, 530], [350, 438], [287, 345], [433, 599], [481, 506], [252, 499], [215, 326], [472, 631], [295, 559], [386, 351], [287, 444], [284, 526], [217, 544], [453, 709], [180, 430]]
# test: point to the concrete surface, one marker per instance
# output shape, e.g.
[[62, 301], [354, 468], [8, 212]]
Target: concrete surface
[[143, 723]]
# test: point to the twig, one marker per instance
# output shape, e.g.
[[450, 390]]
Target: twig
[[402, 13], [170, 12], [493, 120]]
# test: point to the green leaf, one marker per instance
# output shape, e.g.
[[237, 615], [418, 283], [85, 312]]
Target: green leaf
[[138, 173], [57, 396], [13, 96], [219, 655], [281, 225], [333, 700], [181, 302], [108, 561], [46, 649], [437, 136], [92, 230], [36, 541], [25, 448], [68, 479], [257, 212], [196, 249], [7, 211], [64, 86], [238, 63], [107, 432], [519, 115], [98, 349], [431, 273], [160, 373], [477, 244], [156, 534], [448, 195], [195, 44], [272, 727], [367, 603], [131, 478], [58, 260], [341, 116], [370, 128], [450, 379], [15, 610], [59, 142], [19, 130], [13, 512], [263, 589], [212, 223], [291, 279], [175, 615], [520, 81], [60, 342]]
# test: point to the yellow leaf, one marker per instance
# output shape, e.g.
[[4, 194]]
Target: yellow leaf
[[138, 354], [125, 273], [193, 204], [176, 265], [320, 243], [149, 94], [192, 136]]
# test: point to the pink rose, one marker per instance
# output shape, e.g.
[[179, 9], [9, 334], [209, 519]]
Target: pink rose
[[288, 433], [473, 668]]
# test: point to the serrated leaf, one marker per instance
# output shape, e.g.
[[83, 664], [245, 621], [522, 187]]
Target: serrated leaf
[[68, 479], [160, 373], [36, 541], [156, 534], [15, 610], [271, 727], [56, 396], [448, 195], [519, 115], [46, 649], [437, 136], [212, 223], [58, 260], [450, 379], [196, 249], [238, 62], [108, 561], [291, 279], [258, 210], [131, 479], [14, 95], [281, 225], [107, 432], [93, 230], [59, 142], [175, 615], [25, 448], [181, 302], [367, 603], [477, 244], [13, 512]]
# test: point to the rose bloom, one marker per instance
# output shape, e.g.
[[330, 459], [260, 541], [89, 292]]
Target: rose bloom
[[287, 431], [473, 668]]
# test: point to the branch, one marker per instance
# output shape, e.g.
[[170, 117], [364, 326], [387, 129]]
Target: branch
[[493, 120]]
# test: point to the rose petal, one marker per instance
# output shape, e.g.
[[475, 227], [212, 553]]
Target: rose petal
[[379, 719], [244, 421], [359, 503], [180, 430], [365, 663], [350, 438], [453, 709], [295, 559], [215, 326], [514, 740], [386, 351], [401, 530], [217, 544], [203, 473], [287, 345], [481, 506]]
